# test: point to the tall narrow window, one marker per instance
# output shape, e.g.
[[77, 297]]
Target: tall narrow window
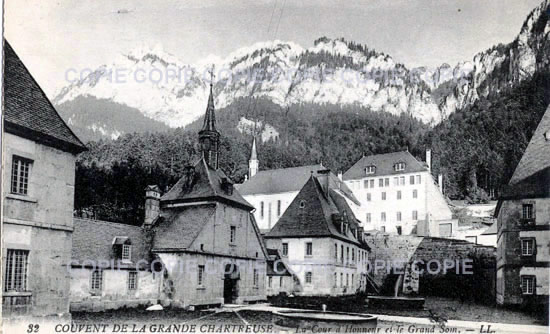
[[399, 230], [16, 270], [366, 184], [132, 280], [342, 253], [411, 181], [279, 208], [336, 251], [527, 285], [126, 252], [347, 279], [255, 278], [335, 279], [309, 249], [347, 254], [20, 170], [415, 193], [281, 282], [399, 194], [527, 247], [285, 249], [262, 210], [383, 195], [398, 216], [387, 182], [418, 179], [352, 255], [309, 277], [341, 279], [395, 181], [383, 216], [269, 281], [97, 280], [402, 180], [232, 234], [368, 217], [415, 215], [527, 212], [200, 278], [371, 183], [368, 197], [380, 182]]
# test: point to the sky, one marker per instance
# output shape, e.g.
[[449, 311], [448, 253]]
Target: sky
[[52, 36]]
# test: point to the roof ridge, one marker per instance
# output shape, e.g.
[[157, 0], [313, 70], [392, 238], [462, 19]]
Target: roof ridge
[[104, 222]]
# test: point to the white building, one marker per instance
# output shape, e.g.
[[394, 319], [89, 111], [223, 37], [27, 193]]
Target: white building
[[398, 195]]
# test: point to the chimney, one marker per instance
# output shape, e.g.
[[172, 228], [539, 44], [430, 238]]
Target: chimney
[[340, 176], [440, 182], [429, 159], [152, 204], [324, 179]]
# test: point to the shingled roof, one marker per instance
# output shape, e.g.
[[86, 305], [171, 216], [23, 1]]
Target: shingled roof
[[203, 183], [312, 214], [384, 164], [280, 180], [93, 242], [531, 179], [27, 111]]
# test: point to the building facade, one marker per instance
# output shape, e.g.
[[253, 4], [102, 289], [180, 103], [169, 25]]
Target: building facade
[[398, 195], [39, 155], [321, 241], [523, 218]]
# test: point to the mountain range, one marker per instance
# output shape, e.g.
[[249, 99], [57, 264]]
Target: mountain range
[[152, 90]]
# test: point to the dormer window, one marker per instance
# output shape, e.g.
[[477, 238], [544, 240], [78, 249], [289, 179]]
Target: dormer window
[[370, 169], [126, 252], [302, 204], [400, 166], [122, 248]]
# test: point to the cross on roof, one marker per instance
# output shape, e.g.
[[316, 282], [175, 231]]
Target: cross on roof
[[212, 76]]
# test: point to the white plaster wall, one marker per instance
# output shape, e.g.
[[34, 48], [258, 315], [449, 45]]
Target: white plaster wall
[[542, 281], [264, 222]]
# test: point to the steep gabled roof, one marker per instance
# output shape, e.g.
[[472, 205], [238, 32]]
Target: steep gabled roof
[[316, 217], [532, 175], [179, 228], [384, 164], [93, 241], [203, 183], [27, 111], [276, 181]]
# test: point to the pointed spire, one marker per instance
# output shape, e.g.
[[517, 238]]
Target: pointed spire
[[253, 154], [210, 116]]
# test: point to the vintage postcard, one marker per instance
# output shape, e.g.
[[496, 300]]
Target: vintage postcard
[[275, 166]]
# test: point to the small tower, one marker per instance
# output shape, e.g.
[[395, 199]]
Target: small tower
[[253, 162], [209, 137], [152, 204]]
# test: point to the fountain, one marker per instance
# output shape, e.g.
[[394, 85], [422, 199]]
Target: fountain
[[396, 301], [312, 320]]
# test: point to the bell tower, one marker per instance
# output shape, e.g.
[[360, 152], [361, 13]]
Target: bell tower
[[253, 161], [209, 137]]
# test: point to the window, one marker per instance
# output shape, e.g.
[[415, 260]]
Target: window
[[281, 282], [232, 234], [200, 278], [399, 166], [383, 228], [336, 251], [342, 253], [352, 279], [347, 254], [371, 183], [285, 249], [395, 181], [370, 170], [415, 215], [309, 248], [380, 182], [398, 216], [399, 230], [411, 181], [366, 184], [302, 204], [262, 210], [126, 252], [279, 208], [341, 279], [353, 255], [97, 280], [368, 218], [399, 194], [132, 280], [16, 270], [387, 182], [20, 169], [527, 247], [347, 279], [383, 216], [402, 180], [383, 195], [528, 285], [335, 279], [255, 277], [269, 281], [415, 193], [368, 197], [418, 179], [527, 212], [308, 277]]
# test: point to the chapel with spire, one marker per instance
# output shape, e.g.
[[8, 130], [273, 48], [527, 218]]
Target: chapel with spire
[[209, 137]]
